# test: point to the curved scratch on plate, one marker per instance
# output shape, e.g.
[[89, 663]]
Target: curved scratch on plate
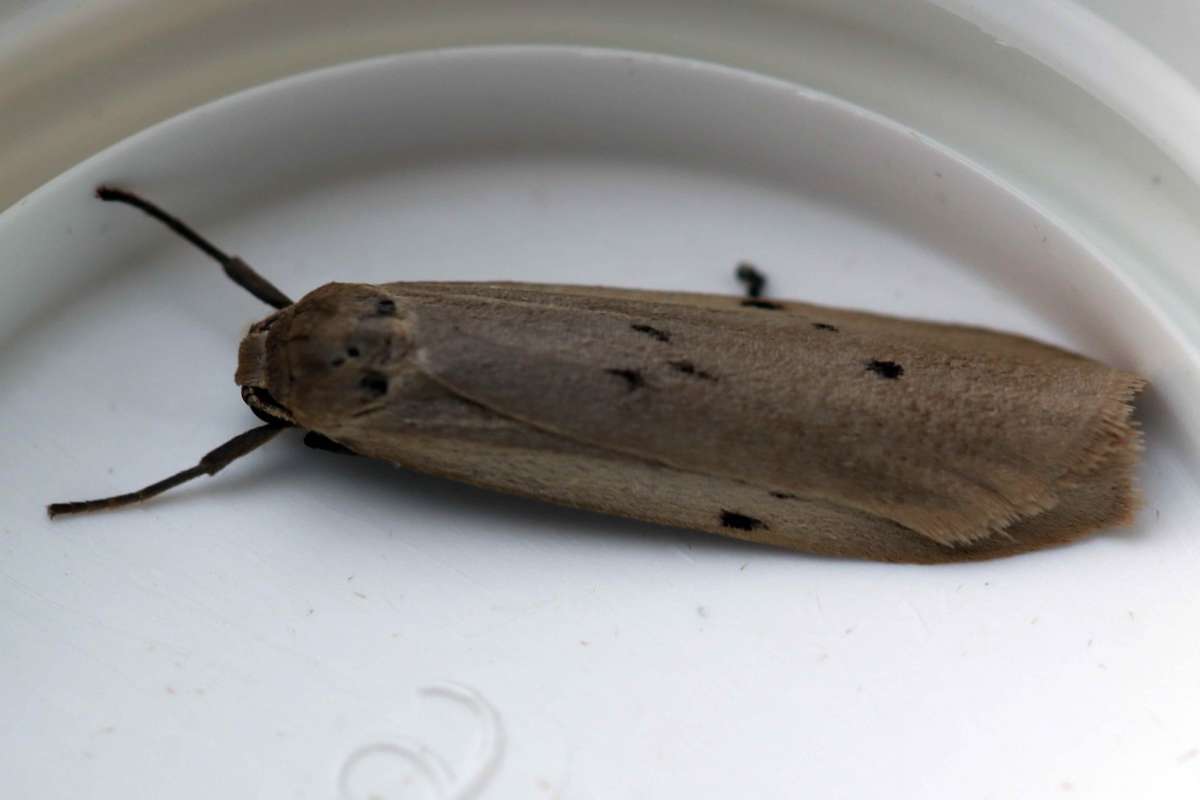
[[425, 762], [489, 746], [446, 782]]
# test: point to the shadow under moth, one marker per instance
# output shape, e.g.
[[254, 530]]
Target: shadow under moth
[[816, 429]]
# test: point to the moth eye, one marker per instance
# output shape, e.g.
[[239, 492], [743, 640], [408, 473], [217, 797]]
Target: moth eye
[[352, 352], [374, 382], [385, 307]]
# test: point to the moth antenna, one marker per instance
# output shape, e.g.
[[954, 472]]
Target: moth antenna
[[752, 278], [239, 271], [212, 463]]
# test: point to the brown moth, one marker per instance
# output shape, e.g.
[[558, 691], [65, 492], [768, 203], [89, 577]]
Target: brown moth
[[816, 429]]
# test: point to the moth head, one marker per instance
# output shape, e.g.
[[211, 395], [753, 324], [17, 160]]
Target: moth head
[[327, 358]]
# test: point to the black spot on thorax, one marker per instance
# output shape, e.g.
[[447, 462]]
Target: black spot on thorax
[[374, 382]]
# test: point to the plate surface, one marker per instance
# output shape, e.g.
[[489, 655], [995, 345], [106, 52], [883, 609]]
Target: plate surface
[[305, 625]]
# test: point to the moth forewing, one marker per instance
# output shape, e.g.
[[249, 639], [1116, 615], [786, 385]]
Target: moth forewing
[[954, 437]]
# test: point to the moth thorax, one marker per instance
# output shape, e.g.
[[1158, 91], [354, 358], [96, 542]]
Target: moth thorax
[[332, 355]]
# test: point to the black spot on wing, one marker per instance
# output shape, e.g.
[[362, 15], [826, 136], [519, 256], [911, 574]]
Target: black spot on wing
[[652, 332], [825, 326], [632, 377], [688, 368], [885, 369], [740, 522]]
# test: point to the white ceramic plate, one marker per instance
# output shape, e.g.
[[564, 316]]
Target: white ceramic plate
[[277, 628]]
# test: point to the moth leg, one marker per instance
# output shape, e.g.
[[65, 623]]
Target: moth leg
[[212, 463], [239, 271], [754, 280], [319, 442]]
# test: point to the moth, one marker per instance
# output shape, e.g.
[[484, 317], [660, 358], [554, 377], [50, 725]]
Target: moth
[[822, 430]]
